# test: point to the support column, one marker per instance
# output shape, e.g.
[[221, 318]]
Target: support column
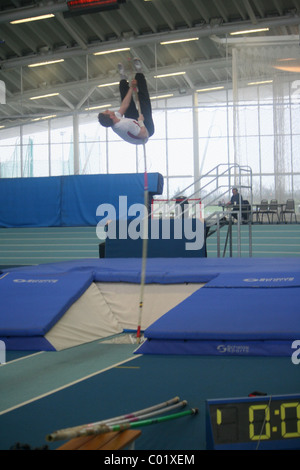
[[76, 143], [196, 144]]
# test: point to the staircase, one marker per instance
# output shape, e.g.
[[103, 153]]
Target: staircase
[[214, 189]]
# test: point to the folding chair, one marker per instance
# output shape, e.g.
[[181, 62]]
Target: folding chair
[[273, 209], [262, 210], [289, 208]]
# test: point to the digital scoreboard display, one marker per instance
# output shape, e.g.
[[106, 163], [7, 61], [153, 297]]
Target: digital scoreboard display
[[91, 6], [269, 422], [72, 4]]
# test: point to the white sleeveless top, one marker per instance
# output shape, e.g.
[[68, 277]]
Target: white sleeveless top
[[128, 130]]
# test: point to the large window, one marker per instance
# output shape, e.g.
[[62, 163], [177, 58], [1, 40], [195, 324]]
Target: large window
[[189, 140]]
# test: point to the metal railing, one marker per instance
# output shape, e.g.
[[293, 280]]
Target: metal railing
[[215, 186]]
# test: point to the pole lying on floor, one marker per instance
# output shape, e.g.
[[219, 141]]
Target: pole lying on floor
[[117, 427], [70, 432], [139, 418], [181, 404], [150, 409]]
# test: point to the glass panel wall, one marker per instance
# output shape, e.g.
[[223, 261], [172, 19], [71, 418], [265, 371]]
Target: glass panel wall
[[189, 140]]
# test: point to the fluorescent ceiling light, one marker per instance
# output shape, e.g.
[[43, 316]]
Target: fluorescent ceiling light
[[48, 62], [34, 18], [44, 117], [98, 107], [210, 89], [175, 41], [158, 97], [113, 50], [169, 74], [2, 127], [43, 96], [107, 84], [249, 31], [261, 82]]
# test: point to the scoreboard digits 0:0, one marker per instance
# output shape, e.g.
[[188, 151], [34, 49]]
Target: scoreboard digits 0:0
[[268, 422]]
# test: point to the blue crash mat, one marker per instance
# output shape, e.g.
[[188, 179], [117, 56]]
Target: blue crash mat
[[226, 316], [32, 303]]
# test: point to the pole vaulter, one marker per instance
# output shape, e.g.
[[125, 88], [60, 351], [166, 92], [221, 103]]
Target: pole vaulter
[[133, 122]]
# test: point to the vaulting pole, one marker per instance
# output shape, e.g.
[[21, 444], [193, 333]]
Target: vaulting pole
[[103, 427], [145, 232], [159, 406], [181, 404], [76, 431], [145, 249]]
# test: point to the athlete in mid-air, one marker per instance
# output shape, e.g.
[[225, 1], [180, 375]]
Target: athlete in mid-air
[[127, 123]]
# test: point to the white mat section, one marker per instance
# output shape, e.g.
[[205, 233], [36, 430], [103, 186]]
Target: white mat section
[[107, 309], [123, 300], [90, 318]]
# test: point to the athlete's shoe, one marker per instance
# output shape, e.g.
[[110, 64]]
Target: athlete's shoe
[[137, 64], [122, 71]]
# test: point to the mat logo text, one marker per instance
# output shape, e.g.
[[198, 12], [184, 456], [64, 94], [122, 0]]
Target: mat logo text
[[133, 224], [233, 349], [270, 279], [296, 354]]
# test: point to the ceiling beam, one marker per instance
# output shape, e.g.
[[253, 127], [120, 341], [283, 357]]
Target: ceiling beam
[[202, 31], [82, 84], [250, 11], [65, 24]]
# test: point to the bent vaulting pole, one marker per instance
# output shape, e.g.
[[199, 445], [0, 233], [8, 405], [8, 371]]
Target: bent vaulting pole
[[145, 249]]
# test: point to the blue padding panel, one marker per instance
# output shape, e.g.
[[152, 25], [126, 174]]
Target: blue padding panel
[[83, 194], [168, 270], [30, 202], [215, 348], [27, 343], [32, 303], [161, 247], [69, 200]]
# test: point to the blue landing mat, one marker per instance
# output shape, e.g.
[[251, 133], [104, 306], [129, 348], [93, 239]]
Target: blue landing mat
[[32, 303], [249, 306], [233, 314]]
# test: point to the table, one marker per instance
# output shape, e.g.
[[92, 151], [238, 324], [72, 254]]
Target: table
[[107, 441], [245, 210]]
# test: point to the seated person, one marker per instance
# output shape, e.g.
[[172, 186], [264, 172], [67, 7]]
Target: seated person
[[235, 200]]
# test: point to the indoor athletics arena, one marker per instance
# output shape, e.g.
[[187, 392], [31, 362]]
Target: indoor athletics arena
[[149, 227]]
